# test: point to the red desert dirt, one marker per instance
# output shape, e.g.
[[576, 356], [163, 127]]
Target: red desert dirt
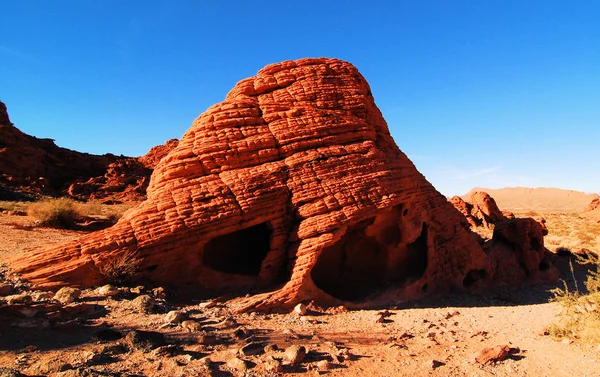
[[294, 187]]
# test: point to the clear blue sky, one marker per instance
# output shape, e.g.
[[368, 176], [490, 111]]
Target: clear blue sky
[[477, 93]]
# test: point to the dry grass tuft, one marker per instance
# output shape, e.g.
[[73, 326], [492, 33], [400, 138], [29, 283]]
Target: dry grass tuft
[[121, 270], [58, 213], [580, 318]]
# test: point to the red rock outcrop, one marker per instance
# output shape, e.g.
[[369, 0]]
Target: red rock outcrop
[[480, 211], [593, 205], [38, 165], [125, 179], [294, 186]]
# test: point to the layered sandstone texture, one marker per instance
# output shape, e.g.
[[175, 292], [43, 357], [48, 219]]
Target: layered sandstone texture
[[480, 210], [292, 186], [35, 165]]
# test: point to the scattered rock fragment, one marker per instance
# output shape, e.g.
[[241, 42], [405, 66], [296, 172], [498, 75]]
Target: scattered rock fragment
[[21, 298], [145, 340], [208, 340], [159, 293], [434, 364], [191, 325], [174, 317], [253, 349], [494, 355], [323, 366], [67, 295], [273, 365], [238, 364], [228, 323], [295, 354], [300, 309], [108, 290], [5, 289], [169, 350], [42, 296], [137, 290], [241, 333], [143, 303]]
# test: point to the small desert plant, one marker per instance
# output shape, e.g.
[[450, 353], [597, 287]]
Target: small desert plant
[[120, 270], [95, 209], [60, 213], [580, 318]]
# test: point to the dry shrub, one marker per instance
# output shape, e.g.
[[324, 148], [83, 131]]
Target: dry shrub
[[110, 212], [58, 213], [122, 269], [580, 318]]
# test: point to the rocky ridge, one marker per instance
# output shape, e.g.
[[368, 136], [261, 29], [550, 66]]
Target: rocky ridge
[[39, 166]]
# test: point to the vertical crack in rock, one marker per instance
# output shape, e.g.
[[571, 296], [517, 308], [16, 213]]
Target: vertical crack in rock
[[294, 188]]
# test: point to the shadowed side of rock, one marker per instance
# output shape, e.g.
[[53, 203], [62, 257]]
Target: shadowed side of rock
[[293, 183], [34, 165]]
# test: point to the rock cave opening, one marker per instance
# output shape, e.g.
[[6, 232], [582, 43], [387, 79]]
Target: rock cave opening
[[240, 252], [369, 256], [473, 277]]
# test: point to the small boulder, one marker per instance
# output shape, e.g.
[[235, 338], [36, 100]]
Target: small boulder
[[143, 303], [295, 354], [21, 298], [168, 351], [493, 355], [208, 340], [137, 290], [42, 296], [323, 366], [174, 317], [159, 293], [273, 365], [5, 289], [145, 340], [67, 295], [252, 349], [107, 290], [191, 325], [238, 364], [300, 309]]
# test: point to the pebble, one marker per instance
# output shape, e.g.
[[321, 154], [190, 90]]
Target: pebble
[[295, 354]]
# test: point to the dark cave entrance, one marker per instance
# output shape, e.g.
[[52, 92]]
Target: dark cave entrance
[[369, 257], [240, 252]]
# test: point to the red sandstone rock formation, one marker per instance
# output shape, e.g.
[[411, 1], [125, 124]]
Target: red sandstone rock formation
[[125, 179], [593, 205], [481, 210], [293, 185], [38, 165]]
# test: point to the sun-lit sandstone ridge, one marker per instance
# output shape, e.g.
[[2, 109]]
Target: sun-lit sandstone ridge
[[293, 185]]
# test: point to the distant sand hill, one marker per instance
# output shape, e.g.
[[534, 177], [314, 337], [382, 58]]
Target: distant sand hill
[[540, 199]]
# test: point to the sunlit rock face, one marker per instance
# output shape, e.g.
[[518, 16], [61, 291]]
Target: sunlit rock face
[[292, 186]]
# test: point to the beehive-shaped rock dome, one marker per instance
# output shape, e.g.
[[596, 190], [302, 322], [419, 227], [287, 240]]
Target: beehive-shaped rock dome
[[294, 186]]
